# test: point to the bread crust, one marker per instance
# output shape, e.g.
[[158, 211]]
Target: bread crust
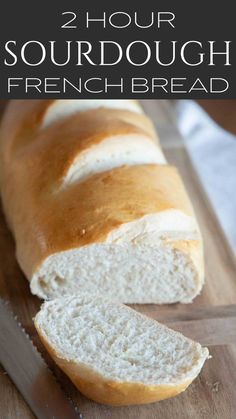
[[88, 211], [23, 119], [45, 220]]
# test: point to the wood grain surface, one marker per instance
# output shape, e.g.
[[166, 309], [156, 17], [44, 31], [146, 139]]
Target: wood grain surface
[[210, 319]]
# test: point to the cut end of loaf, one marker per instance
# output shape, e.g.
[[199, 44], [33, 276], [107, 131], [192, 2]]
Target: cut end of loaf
[[115, 355], [134, 265]]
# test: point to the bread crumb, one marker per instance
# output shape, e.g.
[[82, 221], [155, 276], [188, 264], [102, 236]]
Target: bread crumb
[[214, 386], [82, 232]]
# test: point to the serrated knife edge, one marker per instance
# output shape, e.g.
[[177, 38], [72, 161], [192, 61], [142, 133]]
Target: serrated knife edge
[[28, 370]]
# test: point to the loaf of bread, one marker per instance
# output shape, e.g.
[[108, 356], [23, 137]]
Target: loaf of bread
[[94, 206], [115, 355]]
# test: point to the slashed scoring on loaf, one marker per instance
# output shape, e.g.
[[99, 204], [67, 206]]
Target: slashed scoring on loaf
[[113, 152], [63, 108]]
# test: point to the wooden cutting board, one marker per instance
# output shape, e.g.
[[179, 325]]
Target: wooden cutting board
[[210, 319]]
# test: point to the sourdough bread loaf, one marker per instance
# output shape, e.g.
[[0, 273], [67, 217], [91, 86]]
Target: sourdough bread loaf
[[94, 206]]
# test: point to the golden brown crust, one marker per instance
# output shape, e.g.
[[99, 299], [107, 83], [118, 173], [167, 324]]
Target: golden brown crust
[[47, 154], [33, 162], [118, 393], [22, 125], [113, 393], [85, 213]]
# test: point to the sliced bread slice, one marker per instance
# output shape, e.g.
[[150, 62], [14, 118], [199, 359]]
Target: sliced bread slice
[[115, 355]]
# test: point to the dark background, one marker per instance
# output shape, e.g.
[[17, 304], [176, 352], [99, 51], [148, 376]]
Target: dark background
[[195, 20]]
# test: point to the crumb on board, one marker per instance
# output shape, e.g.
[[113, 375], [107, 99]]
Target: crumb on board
[[213, 386]]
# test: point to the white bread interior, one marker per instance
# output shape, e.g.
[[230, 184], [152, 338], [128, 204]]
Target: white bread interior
[[63, 108], [115, 355], [139, 262]]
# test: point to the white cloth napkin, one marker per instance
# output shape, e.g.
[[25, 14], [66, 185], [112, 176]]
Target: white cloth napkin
[[213, 152]]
